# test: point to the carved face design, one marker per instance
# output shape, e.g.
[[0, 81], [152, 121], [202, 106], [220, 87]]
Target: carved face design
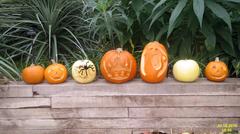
[[118, 66], [84, 71], [216, 71], [154, 62], [56, 73]]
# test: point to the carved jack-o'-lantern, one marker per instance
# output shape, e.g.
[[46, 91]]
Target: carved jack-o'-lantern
[[216, 71], [154, 62], [84, 71], [56, 73], [118, 66]]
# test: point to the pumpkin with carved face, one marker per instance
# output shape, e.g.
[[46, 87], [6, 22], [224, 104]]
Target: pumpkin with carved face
[[154, 62], [56, 73], [118, 66], [216, 71], [84, 71]]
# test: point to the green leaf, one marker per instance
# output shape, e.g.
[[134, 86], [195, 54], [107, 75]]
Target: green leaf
[[220, 12], [186, 45], [159, 4], [198, 7], [175, 14], [236, 1], [226, 41], [210, 35], [159, 14], [238, 38], [138, 6]]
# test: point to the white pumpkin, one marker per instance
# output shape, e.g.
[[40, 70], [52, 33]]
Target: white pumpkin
[[84, 71], [186, 70]]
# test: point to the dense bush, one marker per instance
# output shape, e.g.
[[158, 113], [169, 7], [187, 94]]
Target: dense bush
[[39, 30]]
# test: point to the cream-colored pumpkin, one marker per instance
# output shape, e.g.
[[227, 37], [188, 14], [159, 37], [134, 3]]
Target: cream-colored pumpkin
[[84, 71], [186, 70]]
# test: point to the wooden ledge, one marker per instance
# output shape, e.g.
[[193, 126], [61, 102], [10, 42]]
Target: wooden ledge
[[129, 108], [136, 87]]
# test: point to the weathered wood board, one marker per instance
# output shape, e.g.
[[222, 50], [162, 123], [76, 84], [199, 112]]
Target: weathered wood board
[[131, 108], [145, 101], [110, 123], [15, 91]]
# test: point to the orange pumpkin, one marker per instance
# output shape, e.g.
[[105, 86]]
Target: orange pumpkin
[[154, 62], [33, 74], [216, 71], [118, 66], [56, 73]]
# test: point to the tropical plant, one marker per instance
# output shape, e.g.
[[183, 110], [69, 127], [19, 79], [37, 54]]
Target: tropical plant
[[192, 24], [8, 69], [46, 28], [108, 21]]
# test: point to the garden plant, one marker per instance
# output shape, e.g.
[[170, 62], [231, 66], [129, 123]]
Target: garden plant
[[38, 31]]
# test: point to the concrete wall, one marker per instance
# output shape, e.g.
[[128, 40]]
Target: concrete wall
[[131, 108]]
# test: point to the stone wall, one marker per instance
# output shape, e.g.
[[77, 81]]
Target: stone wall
[[130, 108]]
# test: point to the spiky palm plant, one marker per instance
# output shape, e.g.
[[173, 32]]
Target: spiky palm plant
[[43, 28]]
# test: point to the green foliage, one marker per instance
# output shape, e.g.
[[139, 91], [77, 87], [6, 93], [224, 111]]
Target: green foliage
[[8, 68], [73, 29], [43, 28], [107, 20], [190, 19]]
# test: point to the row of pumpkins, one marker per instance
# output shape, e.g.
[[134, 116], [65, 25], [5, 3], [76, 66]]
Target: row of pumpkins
[[118, 66]]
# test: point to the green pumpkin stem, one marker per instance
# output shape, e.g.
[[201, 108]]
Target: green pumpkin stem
[[217, 59]]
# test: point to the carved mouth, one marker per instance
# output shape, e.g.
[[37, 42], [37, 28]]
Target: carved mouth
[[156, 61], [218, 76]]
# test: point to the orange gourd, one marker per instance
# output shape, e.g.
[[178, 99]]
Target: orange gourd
[[33, 74], [56, 73], [154, 62], [216, 71], [118, 66]]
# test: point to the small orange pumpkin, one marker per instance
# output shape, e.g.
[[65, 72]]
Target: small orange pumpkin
[[33, 74], [56, 73], [118, 66], [154, 62], [216, 71]]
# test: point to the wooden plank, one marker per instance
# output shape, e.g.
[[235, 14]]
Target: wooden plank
[[138, 87], [15, 91], [184, 112], [67, 131], [22, 131], [197, 130], [116, 123], [144, 101], [24, 102], [46, 113], [142, 131]]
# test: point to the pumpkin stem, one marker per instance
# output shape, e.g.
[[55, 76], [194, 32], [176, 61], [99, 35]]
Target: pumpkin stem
[[119, 49], [53, 61], [217, 59]]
